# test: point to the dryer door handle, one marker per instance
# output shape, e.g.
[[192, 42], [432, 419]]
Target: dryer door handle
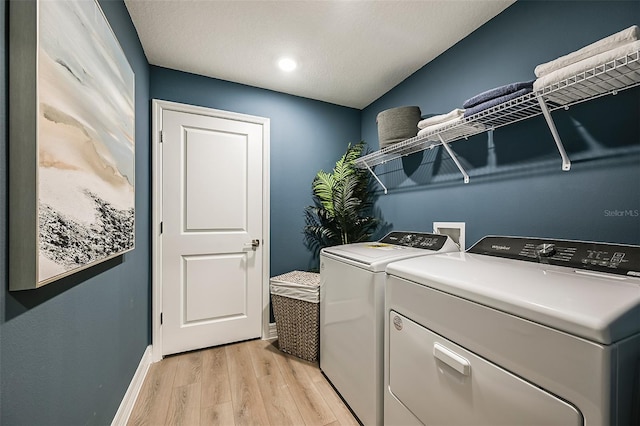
[[452, 359]]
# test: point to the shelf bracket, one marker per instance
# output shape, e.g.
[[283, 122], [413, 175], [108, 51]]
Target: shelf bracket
[[566, 163], [376, 177], [454, 158]]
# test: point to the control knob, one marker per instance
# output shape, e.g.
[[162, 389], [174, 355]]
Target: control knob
[[545, 250], [407, 240]]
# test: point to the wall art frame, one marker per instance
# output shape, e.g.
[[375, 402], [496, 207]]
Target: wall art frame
[[71, 141]]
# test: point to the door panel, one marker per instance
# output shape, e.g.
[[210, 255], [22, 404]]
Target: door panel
[[227, 299], [211, 211], [216, 180]]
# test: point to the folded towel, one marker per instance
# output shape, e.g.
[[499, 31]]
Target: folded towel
[[614, 41], [439, 126], [586, 64], [496, 93], [456, 126], [436, 119], [496, 101]]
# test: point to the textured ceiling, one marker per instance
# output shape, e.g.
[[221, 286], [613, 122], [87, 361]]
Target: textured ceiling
[[348, 52]]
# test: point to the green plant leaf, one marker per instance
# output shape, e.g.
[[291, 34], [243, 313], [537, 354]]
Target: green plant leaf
[[343, 203], [323, 185]]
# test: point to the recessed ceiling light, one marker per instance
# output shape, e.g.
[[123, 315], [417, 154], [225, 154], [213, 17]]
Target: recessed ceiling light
[[287, 64]]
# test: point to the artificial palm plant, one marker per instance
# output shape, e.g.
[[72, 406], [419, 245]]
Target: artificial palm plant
[[343, 202]]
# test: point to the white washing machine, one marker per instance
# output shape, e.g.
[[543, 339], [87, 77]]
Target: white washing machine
[[515, 331], [352, 279]]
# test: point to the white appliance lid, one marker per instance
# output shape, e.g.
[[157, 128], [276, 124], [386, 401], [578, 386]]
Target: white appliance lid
[[391, 248], [372, 254], [601, 307]]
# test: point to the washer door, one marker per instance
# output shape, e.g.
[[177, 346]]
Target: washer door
[[442, 383]]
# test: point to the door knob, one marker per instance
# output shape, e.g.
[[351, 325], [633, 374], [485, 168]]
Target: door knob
[[253, 245]]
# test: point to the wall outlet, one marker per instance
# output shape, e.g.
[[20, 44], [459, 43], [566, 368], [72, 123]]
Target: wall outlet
[[455, 230]]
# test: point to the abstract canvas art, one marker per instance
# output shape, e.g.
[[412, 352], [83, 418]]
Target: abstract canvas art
[[73, 141]]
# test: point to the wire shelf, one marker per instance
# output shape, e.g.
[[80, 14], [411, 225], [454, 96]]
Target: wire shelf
[[608, 78]]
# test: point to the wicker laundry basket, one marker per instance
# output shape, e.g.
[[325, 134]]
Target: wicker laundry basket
[[295, 297]]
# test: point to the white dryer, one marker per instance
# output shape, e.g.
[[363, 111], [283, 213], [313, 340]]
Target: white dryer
[[352, 279], [515, 331]]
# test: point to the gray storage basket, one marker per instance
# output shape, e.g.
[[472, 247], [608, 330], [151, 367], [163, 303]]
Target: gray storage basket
[[397, 124], [297, 321]]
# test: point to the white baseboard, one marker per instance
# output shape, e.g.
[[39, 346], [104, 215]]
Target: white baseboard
[[129, 399], [273, 333]]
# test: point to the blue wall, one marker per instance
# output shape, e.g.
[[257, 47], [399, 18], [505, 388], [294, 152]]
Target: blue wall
[[306, 136], [68, 351], [517, 186]]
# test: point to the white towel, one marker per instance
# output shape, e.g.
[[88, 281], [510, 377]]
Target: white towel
[[586, 64], [458, 127], [614, 41], [436, 119]]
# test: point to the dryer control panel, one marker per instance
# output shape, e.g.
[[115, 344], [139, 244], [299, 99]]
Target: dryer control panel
[[602, 257], [415, 239]]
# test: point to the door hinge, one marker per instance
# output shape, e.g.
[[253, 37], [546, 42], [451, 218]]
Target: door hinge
[[161, 227], [161, 318], [161, 136]]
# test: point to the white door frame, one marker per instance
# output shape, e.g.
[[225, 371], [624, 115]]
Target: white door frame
[[158, 106]]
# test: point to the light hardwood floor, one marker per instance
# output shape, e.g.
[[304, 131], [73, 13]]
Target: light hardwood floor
[[247, 383]]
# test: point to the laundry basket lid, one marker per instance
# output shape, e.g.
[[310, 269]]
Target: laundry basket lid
[[298, 285]]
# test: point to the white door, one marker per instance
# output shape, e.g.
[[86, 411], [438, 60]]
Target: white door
[[212, 269]]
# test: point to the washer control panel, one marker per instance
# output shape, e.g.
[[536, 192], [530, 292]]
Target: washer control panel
[[415, 240], [603, 257]]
